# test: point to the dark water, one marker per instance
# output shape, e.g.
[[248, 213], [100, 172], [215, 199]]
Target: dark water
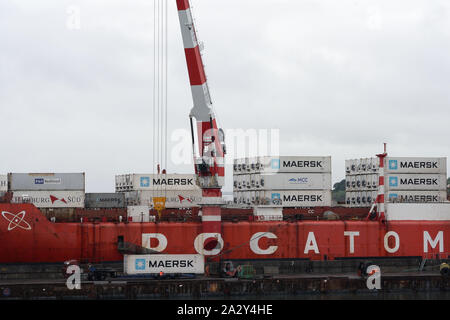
[[425, 295]]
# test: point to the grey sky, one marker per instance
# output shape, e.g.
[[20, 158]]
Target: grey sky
[[337, 78]]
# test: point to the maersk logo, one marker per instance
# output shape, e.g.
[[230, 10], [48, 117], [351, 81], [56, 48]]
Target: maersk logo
[[393, 195], [393, 164], [145, 182], [275, 163], [276, 196], [393, 181], [140, 264]]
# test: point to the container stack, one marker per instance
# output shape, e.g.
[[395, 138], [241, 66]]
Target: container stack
[[180, 190], [407, 179], [3, 183], [361, 182], [48, 190], [282, 181]]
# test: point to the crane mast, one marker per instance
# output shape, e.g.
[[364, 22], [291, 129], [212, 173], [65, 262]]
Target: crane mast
[[209, 164]]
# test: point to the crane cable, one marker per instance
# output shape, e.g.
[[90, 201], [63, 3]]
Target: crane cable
[[160, 84]]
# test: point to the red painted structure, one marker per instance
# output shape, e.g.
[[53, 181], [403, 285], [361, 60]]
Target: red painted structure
[[27, 236]]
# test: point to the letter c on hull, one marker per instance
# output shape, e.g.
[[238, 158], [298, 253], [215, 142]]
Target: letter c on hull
[[254, 243], [199, 243], [162, 241]]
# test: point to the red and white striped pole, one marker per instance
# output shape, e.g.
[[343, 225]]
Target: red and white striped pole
[[380, 200], [209, 143]]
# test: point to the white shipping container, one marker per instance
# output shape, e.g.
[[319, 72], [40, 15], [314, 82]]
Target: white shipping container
[[293, 198], [352, 182], [358, 181], [416, 182], [286, 164], [138, 213], [235, 171], [174, 199], [375, 165], [170, 264], [348, 164], [296, 181], [46, 181], [418, 212], [132, 182], [51, 199], [347, 182], [416, 165], [363, 165], [417, 196], [3, 182]]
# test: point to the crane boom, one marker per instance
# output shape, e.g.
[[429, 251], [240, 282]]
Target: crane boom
[[209, 165]]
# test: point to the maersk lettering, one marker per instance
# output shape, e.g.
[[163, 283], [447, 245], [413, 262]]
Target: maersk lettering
[[302, 164], [173, 182], [419, 165], [171, 264], [302, 198], [419, 181], [418, 198]]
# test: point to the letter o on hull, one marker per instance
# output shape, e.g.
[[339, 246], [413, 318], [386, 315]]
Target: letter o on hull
[[199, 243], [386, 241]]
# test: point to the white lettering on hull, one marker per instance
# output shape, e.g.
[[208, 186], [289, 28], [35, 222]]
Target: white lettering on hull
[[254, 243], [352, 235], [199, 243], [162, 241], [386, 242], [433, 243], [311, 244]]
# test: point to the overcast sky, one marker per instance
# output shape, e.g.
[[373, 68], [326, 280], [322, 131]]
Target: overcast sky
[[336, 78]]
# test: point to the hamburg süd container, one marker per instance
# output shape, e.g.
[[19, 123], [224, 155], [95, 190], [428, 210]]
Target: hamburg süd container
[[174, 199], [51, 199], [46, 181]]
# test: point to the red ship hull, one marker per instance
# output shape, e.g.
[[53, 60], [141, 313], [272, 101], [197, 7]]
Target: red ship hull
[[28, 237]]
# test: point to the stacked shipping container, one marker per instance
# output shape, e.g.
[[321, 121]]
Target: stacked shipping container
[[282, 181], [407, 179], [180, 190], [48, 190], [105, 200], [3, 183]]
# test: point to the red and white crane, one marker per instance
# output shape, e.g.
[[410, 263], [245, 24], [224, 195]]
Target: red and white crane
[[209, 163]]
